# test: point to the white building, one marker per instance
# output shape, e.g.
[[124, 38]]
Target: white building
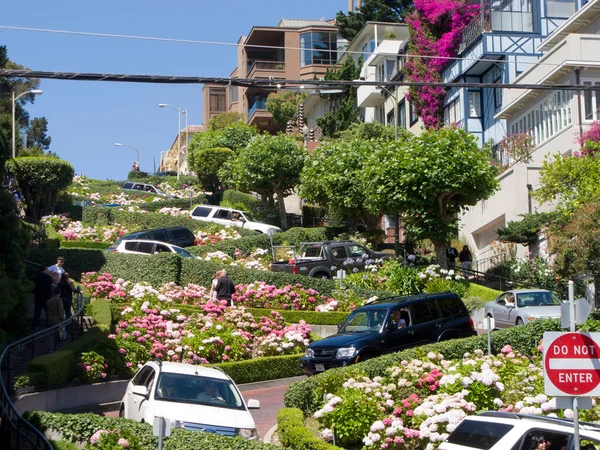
[[555, 118]]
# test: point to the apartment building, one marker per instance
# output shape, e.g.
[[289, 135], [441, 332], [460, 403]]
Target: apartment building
[[554, 118], [169, 158]]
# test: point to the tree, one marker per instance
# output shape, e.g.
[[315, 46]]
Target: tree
[[234, 136], [223, 120], [527, 230], [370, 130], [342, 106], [40, 180], [206, 163], [283, 106], [269, 166], [429, 179], [371, 10], [37, 136]]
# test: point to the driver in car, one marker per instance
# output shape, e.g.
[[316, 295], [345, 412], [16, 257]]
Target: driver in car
[[211, 393], [510, 300]]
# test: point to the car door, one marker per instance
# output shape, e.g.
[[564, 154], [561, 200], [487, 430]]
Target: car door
[[146, 247], [425, 322], [133, 401], [162, 248], [339, 255], [146, 405], [396, 339], [500, 312], [222, 216]]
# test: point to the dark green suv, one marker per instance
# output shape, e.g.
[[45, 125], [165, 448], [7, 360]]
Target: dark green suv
[[390, 325]]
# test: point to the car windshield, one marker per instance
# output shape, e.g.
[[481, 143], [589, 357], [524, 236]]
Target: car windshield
[[526, 299], [181, 252], [364, 321], [199, 390]]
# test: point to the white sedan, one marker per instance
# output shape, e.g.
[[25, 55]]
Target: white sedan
[[521, 306]]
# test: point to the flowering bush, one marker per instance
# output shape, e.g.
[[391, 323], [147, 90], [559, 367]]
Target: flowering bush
[[534, 271], [93, 367], [389, 276], [114, 440], [75, 230], [262, 295], [204, 237], [589, 141]]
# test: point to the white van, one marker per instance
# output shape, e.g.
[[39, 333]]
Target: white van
[[230, 218]]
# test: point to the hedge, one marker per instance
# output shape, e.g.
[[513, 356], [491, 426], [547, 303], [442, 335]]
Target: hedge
[[293, 434], [181, 203], [80, 427], [262, 369], [84, 244], [307, 394]]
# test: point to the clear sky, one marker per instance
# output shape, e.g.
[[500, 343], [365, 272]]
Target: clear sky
[[87, 118]]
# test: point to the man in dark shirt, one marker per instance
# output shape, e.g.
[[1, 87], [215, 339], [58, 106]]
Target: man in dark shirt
[[41, 293], [225, 288], [451, 255]]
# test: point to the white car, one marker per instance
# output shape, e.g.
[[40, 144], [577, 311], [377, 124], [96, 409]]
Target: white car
[[521, 306], [493, 430], [192, 397], [147, 247], [231, 218]]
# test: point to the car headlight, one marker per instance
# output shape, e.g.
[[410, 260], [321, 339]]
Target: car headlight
[[248, 433], [345, 352], [309, 353]]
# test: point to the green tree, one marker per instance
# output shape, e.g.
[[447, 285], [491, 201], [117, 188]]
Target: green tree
[[37, 135], [234, 136], [371, 10], [206, 163], [223, 120], [429, 179], [283, 106], [527, 230], [269, 166], [370, 130], [41, 179], [342, 106]]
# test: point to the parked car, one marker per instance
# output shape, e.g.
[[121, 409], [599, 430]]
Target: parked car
[[179, 236], [192, 397], [371, 330], [231, 218], [145, 247], [494, 430], [521, 306], [143, 187], [322, 259]]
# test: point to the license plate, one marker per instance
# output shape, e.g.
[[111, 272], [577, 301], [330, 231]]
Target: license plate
[[320, 367]]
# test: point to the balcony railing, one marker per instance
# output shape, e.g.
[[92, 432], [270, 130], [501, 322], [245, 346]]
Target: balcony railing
[[266, 65], [473, 31], [259, 104]]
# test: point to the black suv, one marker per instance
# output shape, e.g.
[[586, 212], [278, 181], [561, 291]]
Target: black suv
[[180, 236], [371, 330]]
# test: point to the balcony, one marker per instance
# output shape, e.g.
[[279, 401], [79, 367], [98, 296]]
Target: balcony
[[256, 104], [472, 32], [263, 69]]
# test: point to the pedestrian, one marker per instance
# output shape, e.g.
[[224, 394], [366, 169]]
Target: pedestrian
[[451, 255], [42, 291], [213, 285], [56, 271], [56, 313], [67, 287], [225, 288], [466, 260]]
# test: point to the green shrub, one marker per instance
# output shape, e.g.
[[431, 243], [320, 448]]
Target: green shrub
[[181, 203], [137, 175], [293, 434], [80, 427], [99, 215], [310, 317], [82, 244], [63, 445], [53, 370], [442, 285], [308, 394], [261, 369], [477, 296]]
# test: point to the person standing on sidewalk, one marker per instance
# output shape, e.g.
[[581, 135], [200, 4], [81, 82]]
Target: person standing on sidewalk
[[225, 288], [465, 260], [57, 270]]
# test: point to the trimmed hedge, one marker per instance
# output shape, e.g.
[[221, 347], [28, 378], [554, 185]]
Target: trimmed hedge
[[307, 394], [80, 427], [181, 203], [84, 244], [262, 369], [99, 215], [310, 317], [293, 434]]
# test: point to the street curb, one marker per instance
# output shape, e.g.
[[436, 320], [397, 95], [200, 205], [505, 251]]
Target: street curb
[[269, 383], [269, 435]]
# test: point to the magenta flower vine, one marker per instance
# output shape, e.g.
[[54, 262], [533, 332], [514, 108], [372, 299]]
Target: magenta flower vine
[[436, 28]]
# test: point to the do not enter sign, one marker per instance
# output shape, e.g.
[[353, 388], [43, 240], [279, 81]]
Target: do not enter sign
[[572, 364]]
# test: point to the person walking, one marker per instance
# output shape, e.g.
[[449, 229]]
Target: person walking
[[56, 313], [225, 288], [212, 295], [451, 255], [42, 291], [466, 260], [56, 271]]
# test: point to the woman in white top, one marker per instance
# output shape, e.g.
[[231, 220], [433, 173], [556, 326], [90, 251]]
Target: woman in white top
[[212, 295]]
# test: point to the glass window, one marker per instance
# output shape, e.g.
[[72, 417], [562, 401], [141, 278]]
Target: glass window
[[201, 211], [422, 313], [217, 100], [141, 377], [131, 246], [560, 8], [159, 236], [512, 15], [356, 251], [339, 253], [145, 247], [223, 214], [413, 115], [318, 47], [498, 94], [402, 114], [545, 439], [474, 104], [479, 434], [449, 306], [181, 252], [390, 118], [452, 112], [160, 248], [364, 321]]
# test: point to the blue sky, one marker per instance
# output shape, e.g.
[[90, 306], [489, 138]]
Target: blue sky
[[87, 118]]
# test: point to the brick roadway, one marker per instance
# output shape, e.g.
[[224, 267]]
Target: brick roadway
[[271, 400]]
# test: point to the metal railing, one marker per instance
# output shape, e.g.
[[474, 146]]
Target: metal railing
[[473, 31], [15, 432], [266, 65]]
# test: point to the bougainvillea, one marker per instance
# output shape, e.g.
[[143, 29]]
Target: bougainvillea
[[589, 141], [436, 28]]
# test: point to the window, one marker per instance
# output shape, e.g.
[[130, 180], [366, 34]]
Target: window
[[390, 118], [422, 313], [536, 437], [474, 104], [159, 236], [339, 253], [127, 185], [452, 113], [233, 94], [402, 114], [560, 8], [385, 70], [217, 100], [145, 247], [479, 434], [512, 15], [356, 251], [160, 248], [141, 377], [449, 307], [413, 115], [497, 94], [591, 102], [223, 214], [318, 47], [131, 246], [201, 211]]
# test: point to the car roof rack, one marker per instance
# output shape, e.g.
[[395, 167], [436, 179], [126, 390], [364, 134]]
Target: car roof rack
[[554, 420]]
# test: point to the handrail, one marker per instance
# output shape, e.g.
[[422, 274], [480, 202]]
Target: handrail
[[15, 430]]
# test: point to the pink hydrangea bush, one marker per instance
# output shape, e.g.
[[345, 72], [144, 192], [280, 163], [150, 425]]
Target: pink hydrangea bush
[[225, 234], [262, 295]]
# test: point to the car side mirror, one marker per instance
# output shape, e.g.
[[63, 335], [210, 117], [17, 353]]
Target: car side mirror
[[253, 404], [140, 390], [243, 219], [510, 305]]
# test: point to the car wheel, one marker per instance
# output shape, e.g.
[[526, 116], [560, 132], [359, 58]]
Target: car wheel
[[519, 321]]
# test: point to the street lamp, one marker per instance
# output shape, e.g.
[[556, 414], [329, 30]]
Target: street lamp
[[137, 151], [14, 105], [178, 109]]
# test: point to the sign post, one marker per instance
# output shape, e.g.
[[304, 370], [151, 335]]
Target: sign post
[[341, 274]]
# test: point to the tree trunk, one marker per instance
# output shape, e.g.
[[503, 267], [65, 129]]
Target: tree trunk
[[282, 212], [440, 253]]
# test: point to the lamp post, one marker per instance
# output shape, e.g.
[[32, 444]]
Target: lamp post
[[137, 151], [14, 106], [187, 136], [178, 109]]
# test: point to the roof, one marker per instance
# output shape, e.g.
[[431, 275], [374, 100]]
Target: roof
[[368, 30], [191, 369], [398, 299], [508, 416], [151, 241], [575, 24], [301, 23], [193, 129]]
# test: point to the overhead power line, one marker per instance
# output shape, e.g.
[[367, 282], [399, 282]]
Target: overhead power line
[[275, 84], [272, 47]]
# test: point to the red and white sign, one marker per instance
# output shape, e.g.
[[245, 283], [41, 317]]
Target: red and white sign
[[572, 364]]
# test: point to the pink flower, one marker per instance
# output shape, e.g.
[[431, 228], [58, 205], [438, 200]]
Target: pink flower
[[96, 436], [123, 442]]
